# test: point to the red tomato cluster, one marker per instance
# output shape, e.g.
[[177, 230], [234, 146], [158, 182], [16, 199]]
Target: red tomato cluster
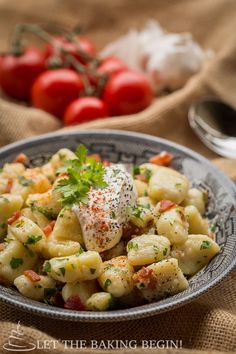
[[68, 80]]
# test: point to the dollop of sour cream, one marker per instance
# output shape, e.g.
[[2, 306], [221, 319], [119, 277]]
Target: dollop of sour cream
[[103, 217]]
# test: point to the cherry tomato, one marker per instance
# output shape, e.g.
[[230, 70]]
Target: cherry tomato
[[127, 92], [111, 66], [85, 109], [55, 89], [84, 44], [18, 72]]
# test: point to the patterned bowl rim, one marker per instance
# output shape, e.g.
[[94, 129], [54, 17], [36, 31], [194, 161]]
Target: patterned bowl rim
[[151, 309]]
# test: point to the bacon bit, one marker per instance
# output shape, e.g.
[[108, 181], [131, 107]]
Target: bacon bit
[[2, 247], [32, 275], [141, 178], [48, 229], [74, 303], [96, 157], [22, 158], [166, 205], [147, 277], [162, 159], [106, 163], [16, 215], [9, 185]]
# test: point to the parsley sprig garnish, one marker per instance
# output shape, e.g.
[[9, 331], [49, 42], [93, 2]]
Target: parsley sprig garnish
[[82, 174]]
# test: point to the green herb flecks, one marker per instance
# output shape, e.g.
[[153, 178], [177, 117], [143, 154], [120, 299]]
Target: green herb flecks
[[136, 170], [92, 270], [83, 173], [47, 212], [25, 182], [16, 262], [63, 271], [47, 267], [132, 246], [107, 283], [205, 245], [32, 240]]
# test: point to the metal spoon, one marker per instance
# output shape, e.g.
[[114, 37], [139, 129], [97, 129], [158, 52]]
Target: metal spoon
[[214, 121]]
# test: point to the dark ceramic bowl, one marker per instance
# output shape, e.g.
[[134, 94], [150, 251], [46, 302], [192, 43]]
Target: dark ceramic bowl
[[137, 148]]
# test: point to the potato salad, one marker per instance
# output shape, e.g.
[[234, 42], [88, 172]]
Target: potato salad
[[85, 234]]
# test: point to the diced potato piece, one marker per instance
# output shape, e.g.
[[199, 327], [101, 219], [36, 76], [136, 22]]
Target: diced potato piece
[[197, 225], [76, 294], [31, 181], [160, 279], [37, 217], [58, 159], [78, 267], [14, 259], [197, 198], [141, 216], [49, 171], [148, 169], [116, 251], [195, 253], [49, 200], [34, 290], [147, 249], [116, 277], [172, 224], [67, 226], [141, 187], [146, 202], [28, 233], [53, 248], [168, 184], [13, 169], [101, 301], [8, 204]]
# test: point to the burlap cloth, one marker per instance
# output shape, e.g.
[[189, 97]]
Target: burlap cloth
[[208, 324]]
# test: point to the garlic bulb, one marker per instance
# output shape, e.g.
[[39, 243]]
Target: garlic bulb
[[169, 59]]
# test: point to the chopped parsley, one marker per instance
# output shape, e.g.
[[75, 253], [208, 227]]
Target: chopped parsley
[[213, 227], [16, 262], [92, 270], [79, 252], [136, 211], [205, 245], [19, 223], [147, 173], [4, 199], [136, 170], [32, 240], [165, 252], [63, 271], [25, 182], [113, 215], [132, 246], [48, 212], [47, 267], [83, 173], [156, 249], [107, 283], [178, 185]]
